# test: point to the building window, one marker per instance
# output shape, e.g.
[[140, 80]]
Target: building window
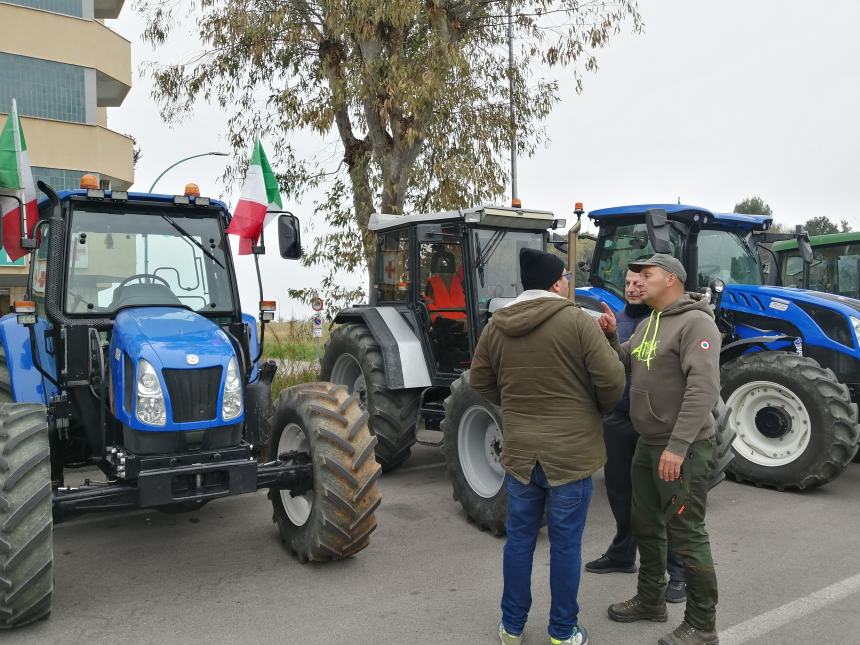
[[66, 7], [44, 89], [59, 178]]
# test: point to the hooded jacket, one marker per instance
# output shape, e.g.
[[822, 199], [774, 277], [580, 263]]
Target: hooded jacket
[[550, 367], [674, 361]]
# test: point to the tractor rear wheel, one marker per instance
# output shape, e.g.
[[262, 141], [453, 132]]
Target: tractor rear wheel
[[724, 434], [26, 525], [334, 520], [353, 358], [472, 431], [795, 422]]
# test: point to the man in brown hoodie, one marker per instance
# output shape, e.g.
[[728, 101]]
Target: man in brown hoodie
[[555, 376], [675, 383]]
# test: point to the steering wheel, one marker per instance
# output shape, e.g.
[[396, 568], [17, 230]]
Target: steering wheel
[[142, 277]]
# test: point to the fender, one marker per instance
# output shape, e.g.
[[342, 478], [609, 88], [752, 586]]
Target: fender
[[402, 352], [28, 386], [593, 297]]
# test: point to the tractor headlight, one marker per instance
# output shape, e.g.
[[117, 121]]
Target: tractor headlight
[[232, 401], [855, 323], [150, 407]]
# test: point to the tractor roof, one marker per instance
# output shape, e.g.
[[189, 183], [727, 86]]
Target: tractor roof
[[727, 220], [498, 216], [818, 240], [143, 197]]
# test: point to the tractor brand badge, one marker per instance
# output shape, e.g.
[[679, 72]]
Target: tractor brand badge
[[192, 359], [779, 304], [117, 354], [705, 345]]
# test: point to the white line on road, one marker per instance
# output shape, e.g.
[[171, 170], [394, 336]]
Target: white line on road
[[780, 616]]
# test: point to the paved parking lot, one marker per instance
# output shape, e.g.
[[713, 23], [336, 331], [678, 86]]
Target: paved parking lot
[[787, 566]]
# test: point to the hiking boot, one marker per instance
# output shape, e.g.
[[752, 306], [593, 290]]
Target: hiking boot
[[676, 591], [633, 610], [605, 564], [509, 639], [579, 637], [686, 634]]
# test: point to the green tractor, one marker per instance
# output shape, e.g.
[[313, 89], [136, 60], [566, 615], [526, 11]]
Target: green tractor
[[834, 266]]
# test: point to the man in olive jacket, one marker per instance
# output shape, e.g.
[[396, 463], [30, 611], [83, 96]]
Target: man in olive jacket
[[675, 368], [555, 376]]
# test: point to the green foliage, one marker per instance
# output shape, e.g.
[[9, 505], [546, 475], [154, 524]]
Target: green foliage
[[416, 92], [753, 206], [822, 225]]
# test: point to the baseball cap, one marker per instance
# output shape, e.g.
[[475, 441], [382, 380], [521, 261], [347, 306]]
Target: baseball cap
[[664, 261]]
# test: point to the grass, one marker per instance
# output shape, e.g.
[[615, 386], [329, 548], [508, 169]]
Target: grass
[[291, 344]]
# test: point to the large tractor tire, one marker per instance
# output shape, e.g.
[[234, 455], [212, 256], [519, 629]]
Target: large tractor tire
[[472, 431], [796, 426], [724, 433], [334, 520], [26, 525], [353, 358]]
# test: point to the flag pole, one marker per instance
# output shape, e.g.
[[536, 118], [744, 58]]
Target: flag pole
[[22, 208]]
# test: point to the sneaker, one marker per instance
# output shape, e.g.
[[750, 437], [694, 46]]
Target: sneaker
[[676, 591], [686, 634], [579, 637], [633, 610], [509, 639], [605, 564]]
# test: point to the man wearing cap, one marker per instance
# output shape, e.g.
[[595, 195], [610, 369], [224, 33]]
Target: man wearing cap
[[621, 438], [675, 382], [554, 375]]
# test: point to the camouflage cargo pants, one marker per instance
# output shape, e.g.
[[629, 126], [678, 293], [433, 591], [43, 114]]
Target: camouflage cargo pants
[[675, 511]]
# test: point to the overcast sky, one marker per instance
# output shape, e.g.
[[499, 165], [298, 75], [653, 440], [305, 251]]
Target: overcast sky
[[715, 102]]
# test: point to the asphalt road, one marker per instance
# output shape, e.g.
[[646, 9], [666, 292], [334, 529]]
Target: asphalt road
[[787, 566]]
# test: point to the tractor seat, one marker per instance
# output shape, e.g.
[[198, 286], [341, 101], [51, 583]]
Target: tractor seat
[[141, 295]]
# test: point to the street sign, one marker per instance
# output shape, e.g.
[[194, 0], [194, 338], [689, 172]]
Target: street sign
[[317, 304], [318, 322]]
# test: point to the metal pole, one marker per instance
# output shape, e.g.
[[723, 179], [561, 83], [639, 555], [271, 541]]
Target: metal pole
[[172, 166], [511, 100]]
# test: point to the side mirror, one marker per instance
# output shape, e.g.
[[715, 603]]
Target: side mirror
[[803, 244], [289, 237], [658, 230]]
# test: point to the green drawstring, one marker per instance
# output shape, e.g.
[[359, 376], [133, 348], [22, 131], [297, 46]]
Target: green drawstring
[[648, 347]]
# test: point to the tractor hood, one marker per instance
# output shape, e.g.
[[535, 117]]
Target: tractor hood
[[823, 320], [191, 356], [172, 336]]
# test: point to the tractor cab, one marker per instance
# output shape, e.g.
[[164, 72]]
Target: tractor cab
[[447, 273], [713, 246]]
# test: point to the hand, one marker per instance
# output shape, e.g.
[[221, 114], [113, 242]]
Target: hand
[[669, 468], [607, 320]]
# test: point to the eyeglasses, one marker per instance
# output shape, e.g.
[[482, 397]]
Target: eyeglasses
[[567, 276]]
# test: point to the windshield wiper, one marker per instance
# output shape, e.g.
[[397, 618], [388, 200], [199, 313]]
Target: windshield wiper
[[188, 237], [486, 253]]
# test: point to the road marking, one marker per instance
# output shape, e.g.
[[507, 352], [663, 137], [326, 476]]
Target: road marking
[[789, 612]]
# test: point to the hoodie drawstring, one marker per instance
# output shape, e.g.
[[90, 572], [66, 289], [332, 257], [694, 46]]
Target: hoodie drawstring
[[648, 347]]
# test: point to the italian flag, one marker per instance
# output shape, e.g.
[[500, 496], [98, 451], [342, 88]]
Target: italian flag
[[16, 186], [260, 193]]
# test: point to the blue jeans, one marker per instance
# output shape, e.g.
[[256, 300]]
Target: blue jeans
[[567, 508]]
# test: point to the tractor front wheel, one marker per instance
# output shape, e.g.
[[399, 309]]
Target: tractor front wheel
[[334, 520], [26, 525], [472, 431], [795, 422]]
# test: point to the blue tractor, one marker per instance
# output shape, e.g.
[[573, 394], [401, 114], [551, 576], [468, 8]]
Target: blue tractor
[[790, 357], [131, 354]]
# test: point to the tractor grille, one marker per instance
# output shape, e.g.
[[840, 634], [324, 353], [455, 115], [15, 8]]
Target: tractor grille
[[193, 393]]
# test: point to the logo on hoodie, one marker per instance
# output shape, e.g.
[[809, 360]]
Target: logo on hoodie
[[704, 344]]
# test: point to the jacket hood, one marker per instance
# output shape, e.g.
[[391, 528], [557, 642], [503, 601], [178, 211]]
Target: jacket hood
[[528, 311], [688, 302]]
